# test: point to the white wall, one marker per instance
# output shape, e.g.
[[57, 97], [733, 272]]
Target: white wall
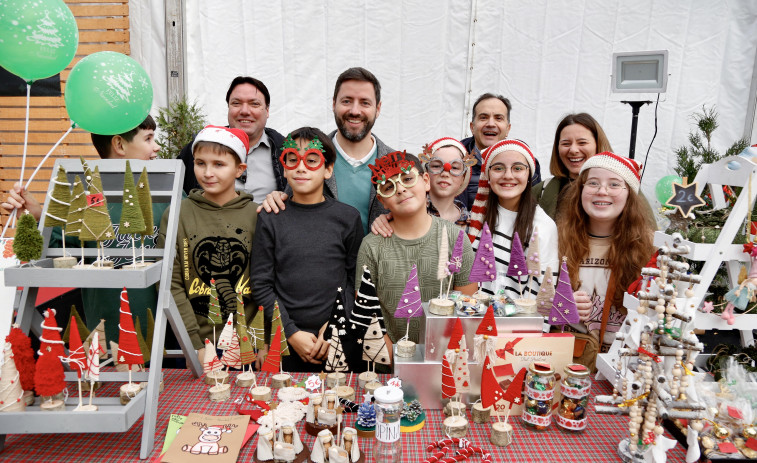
[[549, 57]]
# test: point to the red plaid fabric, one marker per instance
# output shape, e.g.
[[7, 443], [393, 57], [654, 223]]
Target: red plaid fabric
[[184, 394]]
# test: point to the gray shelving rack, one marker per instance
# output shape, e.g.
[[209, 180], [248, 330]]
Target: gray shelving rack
[[165, 177]]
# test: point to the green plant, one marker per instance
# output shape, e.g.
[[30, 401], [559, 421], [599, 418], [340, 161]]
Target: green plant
[[178, 124]]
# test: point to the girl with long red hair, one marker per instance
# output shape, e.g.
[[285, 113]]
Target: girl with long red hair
[[607, 238]]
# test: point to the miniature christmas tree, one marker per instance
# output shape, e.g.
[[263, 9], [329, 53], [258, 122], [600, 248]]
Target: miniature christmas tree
[[441, 269], [484, 265], [491, 391], [336, 360], [51, 335], [103, 348], [564, 309], [232, 355], [214, 308], [96, 224], [457, 336], [455, 263], [93, 363], [273, 359], [366, 414], [77, 359], [11, 392], [76, 319], [338, 318], [28, 241], [60, 201], [532, 256], [514, 393], [366, 306], [461, 371], [78, 205], [226, 338], [129, 352], [448, 381], [485, 338], [23, 356], [49, 379], [518, 266], [409, 305], [131, 213], [374, 345], [257, 328], [275, 322], [141, 341], [145, 203], [546, 294], [247, 354]]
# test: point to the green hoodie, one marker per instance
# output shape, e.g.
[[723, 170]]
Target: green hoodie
[[212, 242]]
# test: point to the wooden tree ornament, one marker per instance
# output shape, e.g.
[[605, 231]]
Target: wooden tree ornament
[[75, 319], [374, 345], [96, 224], [145, 203], [441, 269], [367, 306], [546, 294], [226, 337], [276, 322], [100, 330], [76, 212]]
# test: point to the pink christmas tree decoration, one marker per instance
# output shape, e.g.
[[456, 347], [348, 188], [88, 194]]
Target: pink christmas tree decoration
[[409, 305], [564, 309], [518, 266], [484, 264]]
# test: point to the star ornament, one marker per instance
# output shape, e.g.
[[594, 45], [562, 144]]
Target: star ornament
[[685, 198]]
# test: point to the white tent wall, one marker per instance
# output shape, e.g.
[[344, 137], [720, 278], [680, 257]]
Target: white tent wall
[[549, 57]]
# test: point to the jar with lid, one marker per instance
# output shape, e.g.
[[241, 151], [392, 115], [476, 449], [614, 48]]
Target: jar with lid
[[388, 405], [540, 390], [575, 390]]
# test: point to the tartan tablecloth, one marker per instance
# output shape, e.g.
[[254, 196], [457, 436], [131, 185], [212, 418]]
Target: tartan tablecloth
[[184, 394]]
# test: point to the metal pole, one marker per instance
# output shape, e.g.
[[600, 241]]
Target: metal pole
[[635, 106]]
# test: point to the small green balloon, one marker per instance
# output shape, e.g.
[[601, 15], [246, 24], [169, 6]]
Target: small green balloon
[[38, 38], [664, 188], [108, 93]]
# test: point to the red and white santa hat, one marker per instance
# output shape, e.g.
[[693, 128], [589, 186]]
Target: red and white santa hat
[[432, 148], [478, 210], [628, 169], [236, 139]]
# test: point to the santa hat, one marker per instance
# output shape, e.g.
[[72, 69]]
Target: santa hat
[[469, 160], [478, 210], [236, 139], [628, 169], [457, 335], [488, 326]]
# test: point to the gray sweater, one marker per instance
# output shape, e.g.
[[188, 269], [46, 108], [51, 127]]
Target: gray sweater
[[300, 257]]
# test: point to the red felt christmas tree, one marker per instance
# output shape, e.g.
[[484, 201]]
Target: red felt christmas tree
[[273, 359], [448, 381], [51, 335], [23, 354], [456, 336], [49, 378], [518, 266], [564, 309], [129, 352], [514, 393], [484, 265], [78, 359], [491, 392]]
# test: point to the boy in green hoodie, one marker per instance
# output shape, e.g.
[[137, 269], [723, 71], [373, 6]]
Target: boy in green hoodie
[[214, 237]]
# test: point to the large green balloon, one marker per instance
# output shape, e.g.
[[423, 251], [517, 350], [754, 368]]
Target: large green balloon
[[108, 93], [38, 38], [664, 188]]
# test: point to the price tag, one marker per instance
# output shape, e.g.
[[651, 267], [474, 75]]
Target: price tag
[[313, 383], [95, 200], [394, 382], [685, 198]]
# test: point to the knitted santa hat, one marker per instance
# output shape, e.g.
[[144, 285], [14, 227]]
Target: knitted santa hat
[[628, 169], [478, 210], [469, 160], [236, 139]]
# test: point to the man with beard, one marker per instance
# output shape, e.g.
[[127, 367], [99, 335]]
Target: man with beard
[[490, 123], [356, 105], [248, 100]]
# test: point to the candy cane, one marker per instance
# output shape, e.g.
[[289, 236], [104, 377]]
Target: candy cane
[[486, 458], [437, 456]]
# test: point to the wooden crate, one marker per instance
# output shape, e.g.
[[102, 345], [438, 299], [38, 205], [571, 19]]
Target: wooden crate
[[103, 26]]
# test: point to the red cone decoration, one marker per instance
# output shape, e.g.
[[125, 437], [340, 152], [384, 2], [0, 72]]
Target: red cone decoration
[[51, 335], [491, 392], [49, 379], [128, 346], [457, 335], [514, 393], [448, 381], [23, 355], [76, 349], [271, 363], [488, 326]]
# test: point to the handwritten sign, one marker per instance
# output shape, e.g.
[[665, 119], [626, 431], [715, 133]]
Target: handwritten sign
[[95, 200], [395, 382], [685, 198], [313, 383]]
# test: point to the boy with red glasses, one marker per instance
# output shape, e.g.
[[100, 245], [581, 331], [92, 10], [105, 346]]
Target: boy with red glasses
[[304, 254]]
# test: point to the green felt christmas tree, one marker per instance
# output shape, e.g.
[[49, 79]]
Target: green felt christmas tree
[[60, 201], [247, 354], [83, 330], [96, 224], [141, 340], [132, 220], [214, 308], [28, 241], [145, 203], [78, 205]]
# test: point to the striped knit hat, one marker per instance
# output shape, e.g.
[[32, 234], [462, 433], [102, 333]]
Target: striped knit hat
[[478, 210], [468, 159], [628, 169]]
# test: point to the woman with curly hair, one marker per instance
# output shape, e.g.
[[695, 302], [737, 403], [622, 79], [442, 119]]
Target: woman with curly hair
[[607, 238], [578, 137]]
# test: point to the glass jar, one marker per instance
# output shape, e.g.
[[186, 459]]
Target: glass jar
[[540, 389], [575, 389], [388, 406]]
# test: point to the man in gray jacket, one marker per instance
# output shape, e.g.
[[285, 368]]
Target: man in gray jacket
[[356, 105]]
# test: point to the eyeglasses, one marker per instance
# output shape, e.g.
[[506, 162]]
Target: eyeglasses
[[516, 169], [313, 159], [436, 166], [613, 188], [386, 188]]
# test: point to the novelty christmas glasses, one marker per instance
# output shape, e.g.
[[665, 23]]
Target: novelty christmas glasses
[[312, 159]]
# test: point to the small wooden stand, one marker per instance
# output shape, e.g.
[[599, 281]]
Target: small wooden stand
[[102, 265], [480, 414], [216, 377], [502, 434], [281, 380], [220, 392], [314, 428], [405, 348], [86, 408], [371, 387], [366, 377], [332, 379], [64, 262], [526, 305], [29, 397], [455, 426], [345, 392], [52, 405], [454, 408], [444, 307], [261, 393], [246, 379], [365, 432], [128, 391]]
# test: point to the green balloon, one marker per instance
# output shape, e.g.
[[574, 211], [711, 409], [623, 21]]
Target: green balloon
[[38, 38], [664, 188], [108, 93]]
